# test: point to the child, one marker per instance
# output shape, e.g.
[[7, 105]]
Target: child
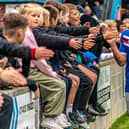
[[52, 10], [17, 24], [14, 31], [74, 72], [52, 88]]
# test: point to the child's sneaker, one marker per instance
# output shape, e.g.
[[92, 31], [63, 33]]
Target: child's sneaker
[[62, 121], [50, 123]]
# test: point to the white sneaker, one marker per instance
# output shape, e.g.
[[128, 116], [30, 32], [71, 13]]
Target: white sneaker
[[62, 121], [50, 123]]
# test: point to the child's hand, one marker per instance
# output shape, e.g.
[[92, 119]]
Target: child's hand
[[55, 75], [88, 43], [75, 43], [1, 100], [95, 64], [63, 72], [36, 94], [12, 76], [93, 30], [67, 64], [43, 53], [3, 62]]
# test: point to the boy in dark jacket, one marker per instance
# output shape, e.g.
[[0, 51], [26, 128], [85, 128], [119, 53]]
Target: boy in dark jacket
[[14, 27], [86, 81], [70, 30]]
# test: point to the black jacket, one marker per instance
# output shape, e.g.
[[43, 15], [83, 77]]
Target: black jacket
[[100, 42], [14, 50], [53, 32], [53, 42], [72, 30]]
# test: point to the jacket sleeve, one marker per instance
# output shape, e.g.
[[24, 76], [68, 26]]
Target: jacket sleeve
[[100, 38], [14, 50], [51, 41], [74, 31]]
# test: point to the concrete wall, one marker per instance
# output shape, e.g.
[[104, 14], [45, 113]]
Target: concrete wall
[[118, 105]]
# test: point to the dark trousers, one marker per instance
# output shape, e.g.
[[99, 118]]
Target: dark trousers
[[6, 112], [83, 91], [93, 98]]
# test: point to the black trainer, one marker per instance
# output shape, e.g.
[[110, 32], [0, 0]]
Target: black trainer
[[92, 110], [100, 110], [76, 117], [89, 116]]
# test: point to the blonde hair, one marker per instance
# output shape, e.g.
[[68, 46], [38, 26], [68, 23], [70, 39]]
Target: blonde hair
[[46, 14], [109, 22], [126, 20], [26, 9]]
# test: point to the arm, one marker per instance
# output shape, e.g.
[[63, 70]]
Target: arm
[[14, 50], [74, 31], [51, 41], [119, 57], [55, 42]]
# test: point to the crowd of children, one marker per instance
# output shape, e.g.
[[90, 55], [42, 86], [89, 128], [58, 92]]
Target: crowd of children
[[55, 50]]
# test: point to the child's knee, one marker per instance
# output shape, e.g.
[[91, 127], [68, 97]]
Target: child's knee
[[61, 84]]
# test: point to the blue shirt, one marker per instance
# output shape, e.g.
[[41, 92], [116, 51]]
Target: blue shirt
[[124, 49]]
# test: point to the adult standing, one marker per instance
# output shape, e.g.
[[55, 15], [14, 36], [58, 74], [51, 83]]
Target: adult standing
[[122, 57]]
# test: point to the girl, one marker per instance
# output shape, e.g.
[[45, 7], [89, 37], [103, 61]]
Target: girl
[[52, 88]]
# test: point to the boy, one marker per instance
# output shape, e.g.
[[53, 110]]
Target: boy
[[13, 30]]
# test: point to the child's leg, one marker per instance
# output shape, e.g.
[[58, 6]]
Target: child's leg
[[93, 98], [82, 94], [6, 112], [52, 90], [76, 81], [91, 75], [68, 83]]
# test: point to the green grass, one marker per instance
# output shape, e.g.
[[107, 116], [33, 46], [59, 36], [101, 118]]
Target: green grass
[[121, 123]]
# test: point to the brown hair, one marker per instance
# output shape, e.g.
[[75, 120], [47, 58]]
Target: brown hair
[[65, 9], [12, 22], [71, 6], [55, 4], [52, 10]]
